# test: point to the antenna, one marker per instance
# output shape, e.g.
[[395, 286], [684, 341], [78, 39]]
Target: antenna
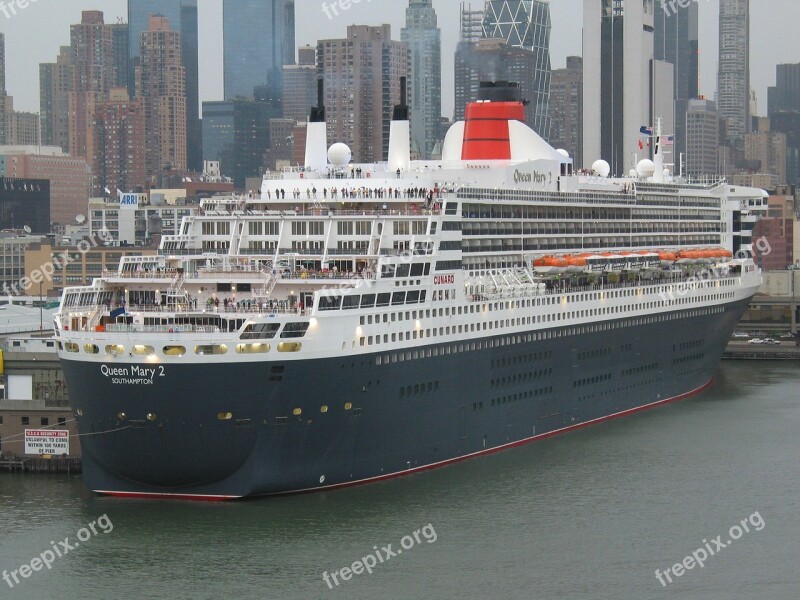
[[26, 229], [80, 219]]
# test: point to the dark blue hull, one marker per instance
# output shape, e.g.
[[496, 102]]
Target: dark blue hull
[[360, 420]]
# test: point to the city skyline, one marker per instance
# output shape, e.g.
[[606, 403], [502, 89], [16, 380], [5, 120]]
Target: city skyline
[[32, 39]]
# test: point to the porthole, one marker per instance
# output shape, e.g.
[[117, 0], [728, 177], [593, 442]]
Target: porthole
[[297, 412], [174, 350], [71, 347], [115, 349], [152, 416], [289, 347], [348, 406], [91, 349], [224, 416], [122, 416], [211, 349], [141, 350], [323, 409], [253, 348]]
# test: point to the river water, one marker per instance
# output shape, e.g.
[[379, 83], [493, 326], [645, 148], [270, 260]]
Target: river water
[[588, 515]]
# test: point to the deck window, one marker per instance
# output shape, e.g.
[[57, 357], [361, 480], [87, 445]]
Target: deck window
[[289, 347], [141, 350], [253, 348], [211, 349], [174, 350]]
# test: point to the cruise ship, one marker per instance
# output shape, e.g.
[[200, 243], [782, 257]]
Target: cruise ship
[[355, 322]]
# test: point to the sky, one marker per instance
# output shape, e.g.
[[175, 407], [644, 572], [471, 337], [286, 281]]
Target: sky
[[34, 34]]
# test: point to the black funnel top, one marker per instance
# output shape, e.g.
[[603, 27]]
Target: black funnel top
[[401, 110], [499, 91], [318, 112]]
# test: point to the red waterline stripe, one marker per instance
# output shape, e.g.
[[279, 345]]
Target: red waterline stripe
[[488, 451]]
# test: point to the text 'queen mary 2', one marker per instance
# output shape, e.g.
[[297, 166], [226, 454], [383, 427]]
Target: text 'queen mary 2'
[[357, 322]]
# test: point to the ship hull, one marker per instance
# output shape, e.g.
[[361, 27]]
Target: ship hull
[[231, 430]]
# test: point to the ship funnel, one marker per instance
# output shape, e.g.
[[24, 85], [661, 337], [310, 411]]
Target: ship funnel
[[487, 131], [401, 110], [400, 133], [317, 134]]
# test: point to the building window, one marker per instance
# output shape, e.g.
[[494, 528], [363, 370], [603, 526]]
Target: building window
[[26, 420]]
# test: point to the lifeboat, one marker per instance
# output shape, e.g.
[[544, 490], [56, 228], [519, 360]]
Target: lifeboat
[[708, 256], [550, 264], [667, 258], [576, 264], [688, 257]]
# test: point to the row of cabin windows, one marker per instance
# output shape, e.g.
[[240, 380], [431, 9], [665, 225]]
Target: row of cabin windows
[[389, 271], [327, 303], [485, 344]]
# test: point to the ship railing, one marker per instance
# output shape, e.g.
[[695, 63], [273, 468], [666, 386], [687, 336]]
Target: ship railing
[[251, 308], [494, 288], [377, 212], [143, 274]]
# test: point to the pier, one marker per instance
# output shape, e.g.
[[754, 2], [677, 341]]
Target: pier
[[737, 350], [51, 466]]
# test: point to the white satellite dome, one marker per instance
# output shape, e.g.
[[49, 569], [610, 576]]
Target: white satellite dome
[[339, 155], [601, 168], [646, 168], [632, 173], [563, 152]]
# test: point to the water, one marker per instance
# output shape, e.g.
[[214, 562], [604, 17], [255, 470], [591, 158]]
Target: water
[[589, 515]]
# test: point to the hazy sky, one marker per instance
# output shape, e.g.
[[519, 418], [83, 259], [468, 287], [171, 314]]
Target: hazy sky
[[35, 33]]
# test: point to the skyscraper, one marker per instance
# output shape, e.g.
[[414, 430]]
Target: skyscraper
[[676, 42], [2, 88], [93, 74], [624, 87], [424, 39], [784, 116], [259, 39], [119, 144], [526, 24], [493, 59], [55, 82], [702, 139], [121, 40], [733, 84], [182, 16], [161, 85], [566, 108], [362, 85], [300, 85], [237, 134]]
